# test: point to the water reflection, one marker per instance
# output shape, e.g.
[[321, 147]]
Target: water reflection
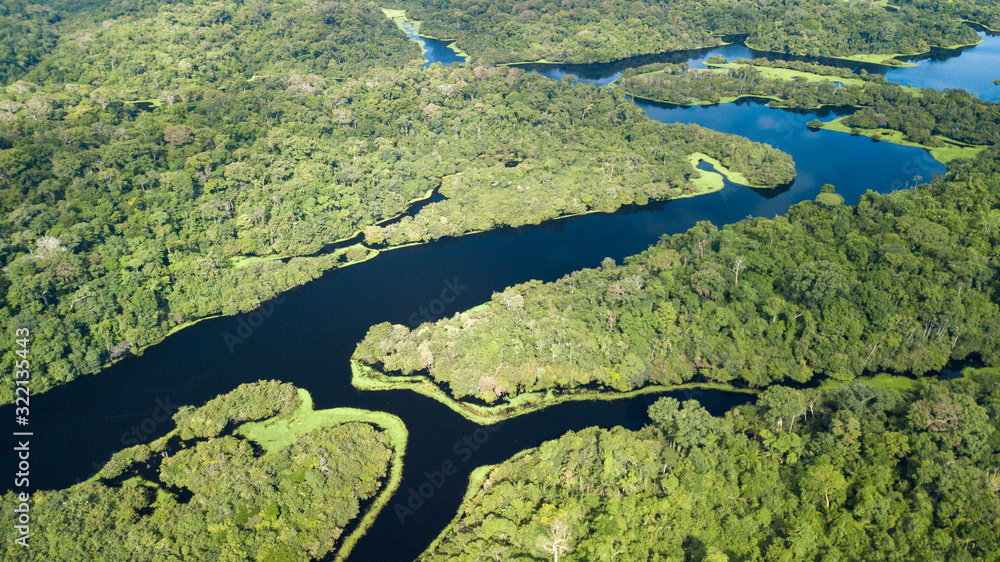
[[434, 49]]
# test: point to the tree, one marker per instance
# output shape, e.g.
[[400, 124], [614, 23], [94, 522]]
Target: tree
[[557, 541], [737, 267], [823, 480]]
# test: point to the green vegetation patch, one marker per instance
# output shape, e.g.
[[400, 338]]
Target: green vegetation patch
[[713, 182], [126, 225], [952, 150], [277, 433], [296, 500], [797, 475], [882, 59], [477, 478], [399, 17]]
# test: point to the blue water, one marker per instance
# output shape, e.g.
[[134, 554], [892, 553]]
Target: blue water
[[972, 69], [436, 51]]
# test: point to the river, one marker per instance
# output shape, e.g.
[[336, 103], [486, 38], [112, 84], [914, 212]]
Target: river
[[309, 333], [970, 68]]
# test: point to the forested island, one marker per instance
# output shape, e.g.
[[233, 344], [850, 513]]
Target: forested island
[[159, 185], [255, 474]]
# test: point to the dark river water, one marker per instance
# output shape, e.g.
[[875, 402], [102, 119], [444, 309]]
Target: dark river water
[[308, 334]]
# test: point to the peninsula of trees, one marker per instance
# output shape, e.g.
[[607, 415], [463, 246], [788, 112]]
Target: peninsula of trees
[[145, 158]]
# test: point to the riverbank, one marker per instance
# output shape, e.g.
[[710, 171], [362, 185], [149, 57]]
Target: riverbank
[[476, 480], [952, 150], [399, 18], [368, 378], [790, 73], [709, 182], [276, 434]]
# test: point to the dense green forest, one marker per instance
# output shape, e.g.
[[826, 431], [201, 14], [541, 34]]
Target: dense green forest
[[144, 157], [922, 115], [582, 31], [205, 492], [26, 35], [983, 12], [854, 473], [904, 282], [164, 161]]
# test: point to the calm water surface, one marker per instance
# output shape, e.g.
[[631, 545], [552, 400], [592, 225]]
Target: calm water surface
[[311, 331]]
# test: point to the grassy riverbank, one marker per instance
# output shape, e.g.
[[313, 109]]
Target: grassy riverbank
[[790, 73], [721, 70], [893, 59], [367, 378], [399, 18], [709, 182], [276, 434]]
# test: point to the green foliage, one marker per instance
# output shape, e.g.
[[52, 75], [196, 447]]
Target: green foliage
[[219, 498], [903, 282], [592, 31], [864, 475], [921, 115], [265, 399]]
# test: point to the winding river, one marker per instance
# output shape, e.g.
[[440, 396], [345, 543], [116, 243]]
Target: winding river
[[307, 335]]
